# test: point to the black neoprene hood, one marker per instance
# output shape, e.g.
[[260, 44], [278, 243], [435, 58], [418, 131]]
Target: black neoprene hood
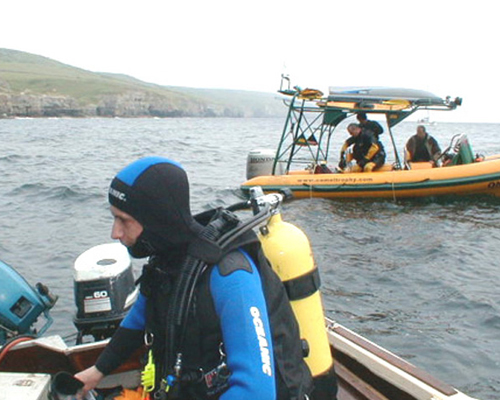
[[155, 192]]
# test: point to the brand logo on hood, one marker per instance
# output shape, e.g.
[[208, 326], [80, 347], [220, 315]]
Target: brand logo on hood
[[117, 194]]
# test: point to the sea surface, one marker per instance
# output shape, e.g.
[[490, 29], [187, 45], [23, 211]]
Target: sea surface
[[418, 277]]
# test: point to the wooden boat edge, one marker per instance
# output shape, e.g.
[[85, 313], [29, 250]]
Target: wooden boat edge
[[382, 363]]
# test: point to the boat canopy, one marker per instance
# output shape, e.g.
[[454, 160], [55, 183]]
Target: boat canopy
[[383, 93], [396, 103]]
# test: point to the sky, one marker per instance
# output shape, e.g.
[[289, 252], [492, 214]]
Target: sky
[[449, 48]]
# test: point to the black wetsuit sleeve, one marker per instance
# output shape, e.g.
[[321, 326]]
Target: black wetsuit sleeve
[[350, 141], [375, 127], [123, 343]]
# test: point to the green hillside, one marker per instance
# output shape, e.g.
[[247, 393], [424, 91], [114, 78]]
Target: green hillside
[[35, 78], [26, 72]]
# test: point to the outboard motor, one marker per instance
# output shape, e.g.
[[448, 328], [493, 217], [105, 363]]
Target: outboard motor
[[260, 162], [104, 290], [21, 305]]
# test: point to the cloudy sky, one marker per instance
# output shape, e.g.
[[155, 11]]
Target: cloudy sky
[[446, 47]]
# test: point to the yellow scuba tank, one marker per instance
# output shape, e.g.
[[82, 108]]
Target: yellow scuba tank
[[288, 250]]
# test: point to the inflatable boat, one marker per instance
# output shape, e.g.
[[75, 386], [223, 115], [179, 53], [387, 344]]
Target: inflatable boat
[[301, 162]]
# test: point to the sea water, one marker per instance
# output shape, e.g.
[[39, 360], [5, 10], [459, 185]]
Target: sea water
[[418, 277]]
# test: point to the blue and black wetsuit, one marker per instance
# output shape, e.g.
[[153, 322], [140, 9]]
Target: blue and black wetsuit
[[241, 339]]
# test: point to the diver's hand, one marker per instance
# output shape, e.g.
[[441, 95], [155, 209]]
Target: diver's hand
[[363, 162], [90, 378]]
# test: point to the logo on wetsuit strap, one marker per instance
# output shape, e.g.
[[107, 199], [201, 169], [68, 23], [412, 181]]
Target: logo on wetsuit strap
[[116, 193], [263, 343]]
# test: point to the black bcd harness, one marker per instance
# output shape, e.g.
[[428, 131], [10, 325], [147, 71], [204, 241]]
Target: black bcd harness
[[224, 232]]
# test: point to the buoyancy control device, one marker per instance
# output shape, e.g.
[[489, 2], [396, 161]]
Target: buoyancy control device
[[289, 253], [222, 229], [296, 269], [21, 305], [104, 290]]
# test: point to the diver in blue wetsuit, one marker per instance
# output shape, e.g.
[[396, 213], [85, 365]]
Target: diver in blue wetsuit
[[232, 333]]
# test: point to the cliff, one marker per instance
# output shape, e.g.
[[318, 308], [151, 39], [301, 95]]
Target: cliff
[[36, 86]]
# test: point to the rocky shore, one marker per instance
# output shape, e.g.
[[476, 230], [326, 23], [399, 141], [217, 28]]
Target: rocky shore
[[131, 104]]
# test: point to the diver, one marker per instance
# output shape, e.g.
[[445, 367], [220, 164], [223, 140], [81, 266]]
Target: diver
[[237, 338], [368, 151], [368, 124], [422, 147]]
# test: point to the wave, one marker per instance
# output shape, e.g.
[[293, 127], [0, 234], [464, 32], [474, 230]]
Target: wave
[[13, 158], [60, 192]]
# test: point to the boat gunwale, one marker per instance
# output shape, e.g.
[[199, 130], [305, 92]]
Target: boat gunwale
[[389, 357]]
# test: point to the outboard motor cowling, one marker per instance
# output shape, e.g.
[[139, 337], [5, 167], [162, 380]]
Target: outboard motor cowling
[[260, 162], [21, 305], [104, 290]]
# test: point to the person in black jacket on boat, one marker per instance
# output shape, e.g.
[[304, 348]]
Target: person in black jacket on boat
[[367, 150], [235, 336]]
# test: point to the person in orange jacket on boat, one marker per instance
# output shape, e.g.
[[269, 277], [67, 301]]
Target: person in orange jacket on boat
[[422, 147], [367, 150]]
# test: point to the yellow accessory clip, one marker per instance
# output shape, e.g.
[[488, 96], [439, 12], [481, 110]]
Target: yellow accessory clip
[[148, 374]]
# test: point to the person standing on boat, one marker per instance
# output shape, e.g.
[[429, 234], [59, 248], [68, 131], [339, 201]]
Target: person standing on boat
[[367, 150], [370, 125], [422, 147], [239, 338]]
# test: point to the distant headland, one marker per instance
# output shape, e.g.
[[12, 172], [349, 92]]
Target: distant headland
[[36, 86]]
